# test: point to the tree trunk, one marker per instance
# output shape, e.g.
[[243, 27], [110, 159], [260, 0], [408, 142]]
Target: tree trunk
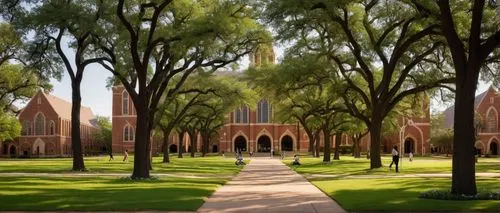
[[463, 175], [193, 138], [310, 135], [205, 142], [317, 143], [181, 144], [166, 157], [375, 133], [76, 143], [141, 167], [150, 140], [338, 141], [356, 149], [326, 154]]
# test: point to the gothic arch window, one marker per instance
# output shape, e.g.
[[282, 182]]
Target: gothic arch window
[[264, 112], [241, 115], [39, 124], [52, 128], [26, 127], [128, 133], [125, 103], [491, 120]]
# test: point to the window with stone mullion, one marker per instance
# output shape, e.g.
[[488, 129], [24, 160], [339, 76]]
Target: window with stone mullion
[[263, 112]]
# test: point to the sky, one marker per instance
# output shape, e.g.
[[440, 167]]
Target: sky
[[96, 96]]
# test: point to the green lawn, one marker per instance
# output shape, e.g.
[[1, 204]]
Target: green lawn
[[348, 165], [391, 194], [104, 193], [108, 193], [187, 165]]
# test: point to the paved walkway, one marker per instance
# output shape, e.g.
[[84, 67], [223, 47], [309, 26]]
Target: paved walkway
[[267, 185]]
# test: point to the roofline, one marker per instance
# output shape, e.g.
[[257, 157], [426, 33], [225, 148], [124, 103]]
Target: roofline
[[482, 98], [50, 104]]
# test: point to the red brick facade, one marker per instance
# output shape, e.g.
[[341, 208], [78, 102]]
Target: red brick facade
[[46, 128], [487, 106], [252, 130]]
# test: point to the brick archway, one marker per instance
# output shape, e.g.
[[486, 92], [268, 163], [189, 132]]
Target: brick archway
[[264, 144]]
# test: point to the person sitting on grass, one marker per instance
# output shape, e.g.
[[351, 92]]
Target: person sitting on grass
[[239, 160], [296, 160]]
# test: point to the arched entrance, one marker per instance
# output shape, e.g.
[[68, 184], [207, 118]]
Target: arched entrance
[[264, 144], [38, 147], [409, 145], [286, 143], [494, 147], [172, 148], [12, 150], [215, 148], [240, 144]]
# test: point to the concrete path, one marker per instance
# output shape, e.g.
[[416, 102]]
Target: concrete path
[[267, 185]]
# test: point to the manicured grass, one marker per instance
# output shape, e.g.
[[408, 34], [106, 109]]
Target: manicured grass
[[187, 165], [401, 194], [104, 193], [348, 165]]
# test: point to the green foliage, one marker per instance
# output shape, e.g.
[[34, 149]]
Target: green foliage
[[10, 128], [103, 136], [440, 135]]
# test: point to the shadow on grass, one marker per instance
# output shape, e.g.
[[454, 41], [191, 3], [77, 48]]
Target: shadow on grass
[[402, 195], [108, 194]]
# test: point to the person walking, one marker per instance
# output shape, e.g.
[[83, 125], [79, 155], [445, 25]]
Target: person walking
[[111, 156], [395, 158], [411, 156], [125, 157]]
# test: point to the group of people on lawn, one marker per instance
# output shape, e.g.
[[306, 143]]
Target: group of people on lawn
[[296, 160]]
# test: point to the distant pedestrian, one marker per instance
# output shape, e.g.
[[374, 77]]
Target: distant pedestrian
[[223, 154], [272, 153], [110, 156], [125, 157], [395, 158], [296, 160], [282, 155], [411, 156]]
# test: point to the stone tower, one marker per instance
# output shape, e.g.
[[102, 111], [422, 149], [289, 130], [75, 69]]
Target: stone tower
[[264, 54]]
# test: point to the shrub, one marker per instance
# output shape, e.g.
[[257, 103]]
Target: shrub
[[446, 195]]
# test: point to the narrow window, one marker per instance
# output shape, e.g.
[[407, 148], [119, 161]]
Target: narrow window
[[52, 128], [125, 103], [39, 124]]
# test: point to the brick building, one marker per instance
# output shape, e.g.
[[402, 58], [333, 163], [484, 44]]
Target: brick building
[[253, 130], [487, 107], [46, 128]]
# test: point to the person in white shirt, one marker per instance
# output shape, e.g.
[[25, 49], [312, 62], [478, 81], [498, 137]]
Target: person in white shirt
[[411, 156], [395, 158]]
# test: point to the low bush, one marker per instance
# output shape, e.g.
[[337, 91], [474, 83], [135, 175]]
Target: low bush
[[447, 195]]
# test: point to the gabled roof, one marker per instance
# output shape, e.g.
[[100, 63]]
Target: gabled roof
[[63, 109], [449, 113]]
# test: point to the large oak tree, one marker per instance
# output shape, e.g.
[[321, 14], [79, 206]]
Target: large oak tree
[[362, 38], [172, 39]]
